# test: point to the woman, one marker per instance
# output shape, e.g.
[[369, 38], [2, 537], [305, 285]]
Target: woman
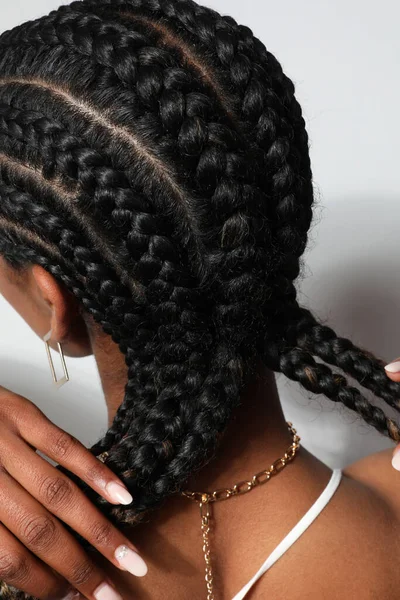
[[156, 195]]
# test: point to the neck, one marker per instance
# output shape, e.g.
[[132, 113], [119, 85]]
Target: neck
[[256, 436]]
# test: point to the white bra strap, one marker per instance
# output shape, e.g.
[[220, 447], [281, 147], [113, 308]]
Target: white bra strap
[[297, 530]]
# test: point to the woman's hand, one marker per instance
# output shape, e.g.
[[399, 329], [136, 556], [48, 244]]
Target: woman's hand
[[393, 372], [37, 554]]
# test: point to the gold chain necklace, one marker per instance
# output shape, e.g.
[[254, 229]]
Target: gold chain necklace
[[204, 500]]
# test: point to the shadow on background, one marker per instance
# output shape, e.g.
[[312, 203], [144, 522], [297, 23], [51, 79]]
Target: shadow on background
[[75, 407], [351, 282]]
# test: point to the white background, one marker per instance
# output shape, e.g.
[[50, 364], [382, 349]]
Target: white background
[[344, 59]]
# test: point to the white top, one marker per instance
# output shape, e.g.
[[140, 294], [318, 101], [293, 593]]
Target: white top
[[296, 532]]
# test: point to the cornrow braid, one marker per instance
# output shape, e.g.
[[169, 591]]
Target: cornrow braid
[[138, 428], [154, 159]]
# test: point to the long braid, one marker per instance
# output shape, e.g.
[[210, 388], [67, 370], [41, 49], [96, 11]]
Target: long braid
[[299, 366], [319, 340], [154, 159], [140, 432], [44, 125], [68, 243], [40, 220]]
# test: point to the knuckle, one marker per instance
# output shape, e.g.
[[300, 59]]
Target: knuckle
[[19, 409], [56, 491], [96, 472], [81, 573], [11, 407], [101, 534], [63, 444], [13, 567], [39, 532]]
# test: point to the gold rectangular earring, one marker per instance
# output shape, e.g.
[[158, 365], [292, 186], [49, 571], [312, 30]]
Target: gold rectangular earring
[[57, 382]]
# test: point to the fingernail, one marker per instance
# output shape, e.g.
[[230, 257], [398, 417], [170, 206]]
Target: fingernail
[[106, 592], [393, 367], [131, 561], [396, 459], [118, 493]]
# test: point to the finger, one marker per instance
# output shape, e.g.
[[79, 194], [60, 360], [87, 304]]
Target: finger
[[396, 458], [19, 568], [63, 498], [393, 370], [69, 452], [44, 535]]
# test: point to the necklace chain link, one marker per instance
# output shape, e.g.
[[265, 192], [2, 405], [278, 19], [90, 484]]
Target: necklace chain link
[[205, 499]]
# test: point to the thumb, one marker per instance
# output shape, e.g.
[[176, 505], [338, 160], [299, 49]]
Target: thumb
[[396, 458], [393, 370]]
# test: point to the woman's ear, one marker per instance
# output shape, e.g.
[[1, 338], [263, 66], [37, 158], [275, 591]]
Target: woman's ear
[[59, 311], [46, 304]]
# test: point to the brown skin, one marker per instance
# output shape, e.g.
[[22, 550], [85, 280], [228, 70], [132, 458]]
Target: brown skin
[[31, 490], [350, 550]]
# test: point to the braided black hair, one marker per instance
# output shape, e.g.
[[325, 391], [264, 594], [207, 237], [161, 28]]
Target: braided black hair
[[154, 159]]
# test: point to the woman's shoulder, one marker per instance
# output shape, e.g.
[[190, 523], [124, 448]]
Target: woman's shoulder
[[353, 548], [379, 484], [377, 474]]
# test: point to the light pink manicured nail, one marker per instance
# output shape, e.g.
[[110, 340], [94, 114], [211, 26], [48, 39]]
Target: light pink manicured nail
[[131, 561], [118, 493], [396, 459], [106, 592], [393, 367]]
